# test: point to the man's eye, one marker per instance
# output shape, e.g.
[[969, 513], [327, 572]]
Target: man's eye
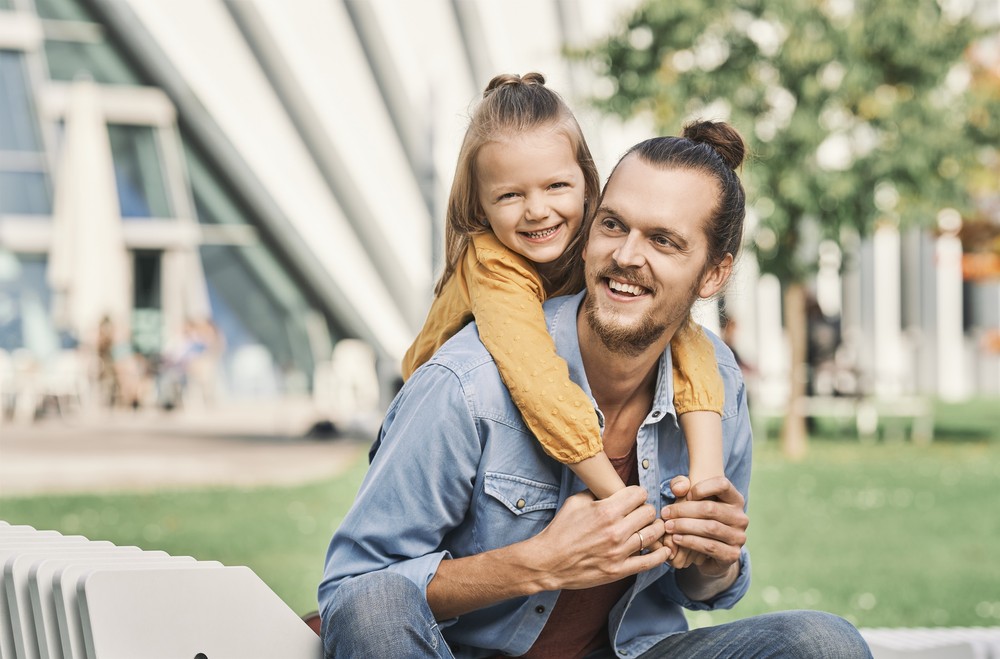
[[610, 224], [663, 241]]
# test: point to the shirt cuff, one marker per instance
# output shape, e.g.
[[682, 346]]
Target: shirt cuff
[[724, 600], [420, 570]]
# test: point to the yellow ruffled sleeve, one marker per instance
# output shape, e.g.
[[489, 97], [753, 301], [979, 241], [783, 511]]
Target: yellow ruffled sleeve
[[506, 295], [697, 383]]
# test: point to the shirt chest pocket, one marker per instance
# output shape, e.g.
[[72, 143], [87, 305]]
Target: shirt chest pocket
[[513, 509]]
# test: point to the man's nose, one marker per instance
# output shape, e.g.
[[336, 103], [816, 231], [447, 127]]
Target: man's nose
[[629, 253]]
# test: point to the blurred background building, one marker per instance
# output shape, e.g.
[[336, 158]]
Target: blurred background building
[[244, 198]]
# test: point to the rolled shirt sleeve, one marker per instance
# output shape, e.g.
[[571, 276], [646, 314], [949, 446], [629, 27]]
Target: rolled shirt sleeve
[[403, 512]]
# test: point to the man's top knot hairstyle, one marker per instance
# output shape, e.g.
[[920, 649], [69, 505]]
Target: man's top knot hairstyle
[[722, 137], [716, 149]]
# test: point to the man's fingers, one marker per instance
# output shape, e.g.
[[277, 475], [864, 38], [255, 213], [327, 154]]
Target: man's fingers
[[642, 562], [624, 501], [707, 536], [719, 488]]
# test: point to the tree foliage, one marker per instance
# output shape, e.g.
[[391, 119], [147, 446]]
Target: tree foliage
[[855, 111]]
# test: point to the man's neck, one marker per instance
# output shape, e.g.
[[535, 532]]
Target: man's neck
[[622, 385]]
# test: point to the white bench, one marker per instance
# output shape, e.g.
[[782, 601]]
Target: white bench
[[864, 412], [934, 643]]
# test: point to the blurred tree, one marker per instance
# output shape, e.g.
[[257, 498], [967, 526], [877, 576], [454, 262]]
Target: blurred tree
[[856, 112]]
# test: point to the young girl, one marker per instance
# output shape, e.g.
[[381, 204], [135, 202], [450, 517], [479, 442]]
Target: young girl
[[524, 188]]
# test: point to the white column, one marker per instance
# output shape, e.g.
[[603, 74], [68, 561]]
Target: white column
[[888, 322], [173, 273], [950, 334], [772, 363]]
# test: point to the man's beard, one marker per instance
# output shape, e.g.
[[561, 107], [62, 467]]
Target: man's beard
[[630, 340]]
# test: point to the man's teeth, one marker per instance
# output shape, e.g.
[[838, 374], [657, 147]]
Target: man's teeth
[[541, 234], [625, 288]]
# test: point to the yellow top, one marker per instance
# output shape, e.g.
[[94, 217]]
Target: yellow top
[[504, 293]]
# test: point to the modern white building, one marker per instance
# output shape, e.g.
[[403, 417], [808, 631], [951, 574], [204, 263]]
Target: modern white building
[[281, 167]]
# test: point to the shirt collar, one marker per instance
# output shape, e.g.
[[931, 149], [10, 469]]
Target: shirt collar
[[562, 318]]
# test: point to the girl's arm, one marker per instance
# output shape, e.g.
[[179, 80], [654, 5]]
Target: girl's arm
[[506, 296], [698, 399]]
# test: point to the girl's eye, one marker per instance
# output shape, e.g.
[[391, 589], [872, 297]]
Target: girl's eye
[[507, 195], [560, 184]]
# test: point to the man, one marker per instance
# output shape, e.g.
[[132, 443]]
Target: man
[[466, 540]]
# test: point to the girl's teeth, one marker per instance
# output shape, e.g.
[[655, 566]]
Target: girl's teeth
[[540, 234]]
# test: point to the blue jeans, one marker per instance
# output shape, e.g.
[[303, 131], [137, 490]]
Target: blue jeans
[[385, 615]]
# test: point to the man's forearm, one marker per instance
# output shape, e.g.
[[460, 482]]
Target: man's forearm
[[466, 584], [702, 587]]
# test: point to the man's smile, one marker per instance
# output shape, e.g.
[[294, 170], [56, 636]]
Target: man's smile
[[623, 288]]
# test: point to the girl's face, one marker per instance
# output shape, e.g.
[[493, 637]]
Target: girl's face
[[532, 191]]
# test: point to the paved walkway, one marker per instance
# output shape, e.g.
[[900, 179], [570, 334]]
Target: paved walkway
[[246, 444]]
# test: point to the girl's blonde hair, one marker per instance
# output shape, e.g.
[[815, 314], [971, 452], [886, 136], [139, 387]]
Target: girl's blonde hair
[[511, 105]]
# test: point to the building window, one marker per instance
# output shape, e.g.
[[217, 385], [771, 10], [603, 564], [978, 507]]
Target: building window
[[101, 61], [142, 191], [24, 184], [63, 10], [76, 43], [24, 305], [255, 301], [24, 193]]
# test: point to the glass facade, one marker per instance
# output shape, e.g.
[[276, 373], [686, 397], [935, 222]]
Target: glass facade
[[24, 193], [63, 10], [100, 61], [256, 304], [254, 300], [25, 301], [24, 183], [17, 125], [76, 44], [142, 190]]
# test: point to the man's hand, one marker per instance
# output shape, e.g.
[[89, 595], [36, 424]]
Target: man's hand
[[587, 543], [590, 542], [712, 523]]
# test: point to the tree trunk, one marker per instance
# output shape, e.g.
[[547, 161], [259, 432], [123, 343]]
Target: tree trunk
[[794, 437]]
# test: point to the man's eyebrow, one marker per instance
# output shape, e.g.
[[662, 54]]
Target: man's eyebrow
[[680, 239]]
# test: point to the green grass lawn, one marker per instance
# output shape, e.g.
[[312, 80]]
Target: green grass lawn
[[885, 534]]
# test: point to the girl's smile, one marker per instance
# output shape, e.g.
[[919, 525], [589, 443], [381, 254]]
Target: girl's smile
[[531, 189]]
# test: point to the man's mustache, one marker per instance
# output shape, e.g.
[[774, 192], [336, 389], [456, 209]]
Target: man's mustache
[[628, 276]]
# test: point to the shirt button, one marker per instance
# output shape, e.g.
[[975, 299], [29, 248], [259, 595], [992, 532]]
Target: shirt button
[[645, 463], [520, 504], [539, 609]]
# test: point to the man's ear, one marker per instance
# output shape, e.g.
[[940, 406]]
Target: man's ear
[[715, 277]]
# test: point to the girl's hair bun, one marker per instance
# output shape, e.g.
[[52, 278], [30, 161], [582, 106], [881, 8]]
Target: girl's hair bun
[[505, 79]]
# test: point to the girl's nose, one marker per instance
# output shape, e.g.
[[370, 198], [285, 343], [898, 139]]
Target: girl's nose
[[536, 208]]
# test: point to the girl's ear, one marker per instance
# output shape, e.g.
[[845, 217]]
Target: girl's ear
[[715, 278]]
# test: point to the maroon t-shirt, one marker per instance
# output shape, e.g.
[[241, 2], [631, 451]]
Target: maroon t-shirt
[[578, 624]]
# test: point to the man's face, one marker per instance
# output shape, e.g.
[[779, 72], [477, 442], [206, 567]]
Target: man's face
[[646, 257]]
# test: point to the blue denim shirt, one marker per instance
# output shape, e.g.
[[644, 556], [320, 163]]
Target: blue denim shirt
[[458, 473]]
